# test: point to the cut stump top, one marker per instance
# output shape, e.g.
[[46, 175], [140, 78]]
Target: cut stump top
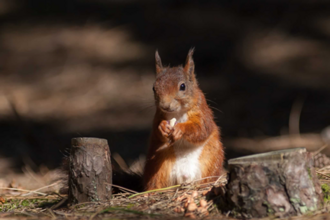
[[88, 140], [273, 156]]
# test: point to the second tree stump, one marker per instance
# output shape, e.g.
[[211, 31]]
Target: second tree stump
[[281, 183]]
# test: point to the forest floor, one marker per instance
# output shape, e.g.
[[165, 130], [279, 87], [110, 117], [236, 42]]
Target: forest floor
[[194, 200]]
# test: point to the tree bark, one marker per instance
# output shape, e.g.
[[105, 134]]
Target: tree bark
[[90, 172], [281, 183]]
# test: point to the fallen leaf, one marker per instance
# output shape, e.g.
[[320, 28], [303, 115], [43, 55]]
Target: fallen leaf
[[203, 203], [201, 210], [190, 215], [192, 207], [206, 213], [194, 194], [178, 209], [181, 198]]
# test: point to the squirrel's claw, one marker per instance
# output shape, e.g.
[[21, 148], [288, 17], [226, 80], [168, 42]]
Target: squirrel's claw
[[165, 129], [177, 133]]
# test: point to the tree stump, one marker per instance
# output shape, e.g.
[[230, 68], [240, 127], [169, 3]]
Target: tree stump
[[280, 183], [90, 172]]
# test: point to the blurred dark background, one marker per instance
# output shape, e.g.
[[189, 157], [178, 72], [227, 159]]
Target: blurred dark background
[[71, 68]]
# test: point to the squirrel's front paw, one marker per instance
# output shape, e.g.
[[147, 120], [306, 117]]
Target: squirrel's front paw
[[165, 128], [177, 133]]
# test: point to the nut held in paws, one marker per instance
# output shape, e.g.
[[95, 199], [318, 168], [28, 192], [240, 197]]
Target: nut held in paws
[[172, 122]]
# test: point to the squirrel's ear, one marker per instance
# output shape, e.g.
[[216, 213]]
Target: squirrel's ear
[[159, 65], [189, 68]]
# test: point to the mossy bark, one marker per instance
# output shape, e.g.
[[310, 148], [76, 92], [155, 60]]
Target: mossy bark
[[280, 183], [90, 171]]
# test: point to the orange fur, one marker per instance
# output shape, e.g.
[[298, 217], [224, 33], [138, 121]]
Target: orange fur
[[198, 130]]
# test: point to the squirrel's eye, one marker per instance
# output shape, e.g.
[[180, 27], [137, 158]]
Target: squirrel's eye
[[153, 88], [182, 87]]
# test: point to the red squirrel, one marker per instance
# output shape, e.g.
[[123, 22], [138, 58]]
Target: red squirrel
[[191, 149]]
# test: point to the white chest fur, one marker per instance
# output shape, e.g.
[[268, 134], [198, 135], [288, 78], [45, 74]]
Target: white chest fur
[[183, 118], [186, 167]]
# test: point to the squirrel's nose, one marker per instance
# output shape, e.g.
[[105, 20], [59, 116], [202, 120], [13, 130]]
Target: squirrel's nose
[[166, 106]]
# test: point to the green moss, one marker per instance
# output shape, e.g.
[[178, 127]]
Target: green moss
[[123, 210], [130, 205], [295, 200], [326, 192], [312, 209], [25, 203], [270, 211], [303, 209], [269, 208], [18, 205], [309, 173]]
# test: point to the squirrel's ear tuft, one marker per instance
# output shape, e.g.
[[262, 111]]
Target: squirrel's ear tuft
[[189, 68], [159, 65]]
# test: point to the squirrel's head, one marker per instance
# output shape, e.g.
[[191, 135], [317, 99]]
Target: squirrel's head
[[175, 87]]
